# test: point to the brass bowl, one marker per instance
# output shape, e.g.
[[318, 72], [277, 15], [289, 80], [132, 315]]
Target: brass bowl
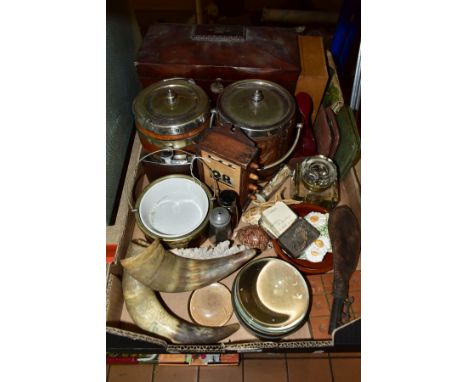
[[194, 231], [211, 305], [270, 298]]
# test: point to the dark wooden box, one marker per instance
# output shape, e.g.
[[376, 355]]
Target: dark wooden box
[[208, 52]]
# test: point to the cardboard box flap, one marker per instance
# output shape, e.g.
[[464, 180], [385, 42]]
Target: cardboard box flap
[[126, 337], [280, 346], [114, 300], [250, 347], [348, 335]]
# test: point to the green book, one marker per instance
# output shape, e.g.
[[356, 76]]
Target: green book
[[350, 141]]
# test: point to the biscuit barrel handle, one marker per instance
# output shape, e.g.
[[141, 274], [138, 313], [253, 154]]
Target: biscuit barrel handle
[[213, 113], [304, 104], [130, 199], [285, 156]]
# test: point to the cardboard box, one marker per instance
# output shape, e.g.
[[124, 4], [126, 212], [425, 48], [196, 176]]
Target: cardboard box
[[314, 73], [118, 234], [123, 336]]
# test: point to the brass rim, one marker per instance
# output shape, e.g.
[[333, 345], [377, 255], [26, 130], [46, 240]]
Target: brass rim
[[190, 235], [251, 321]]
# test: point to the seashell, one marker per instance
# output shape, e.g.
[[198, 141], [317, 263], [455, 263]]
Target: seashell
[[253, 236]]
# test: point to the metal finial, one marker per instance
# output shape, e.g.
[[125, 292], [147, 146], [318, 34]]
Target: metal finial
[[258, 96], [171, 95]]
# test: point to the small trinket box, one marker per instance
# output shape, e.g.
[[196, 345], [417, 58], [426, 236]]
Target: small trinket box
[[298, 237], [277, 219]]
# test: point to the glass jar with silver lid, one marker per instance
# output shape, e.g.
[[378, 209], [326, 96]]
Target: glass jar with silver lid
[[171, 113], [316, 181]]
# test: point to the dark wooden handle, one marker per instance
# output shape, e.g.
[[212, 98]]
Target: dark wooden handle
[[336, 312], [304, 103]]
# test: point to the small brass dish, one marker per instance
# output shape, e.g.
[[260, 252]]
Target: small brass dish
[[211, 305]]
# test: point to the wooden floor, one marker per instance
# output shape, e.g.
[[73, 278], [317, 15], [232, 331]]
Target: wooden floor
[[291, 367]]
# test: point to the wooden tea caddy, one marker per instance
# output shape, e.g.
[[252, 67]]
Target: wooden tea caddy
[[232, 158]]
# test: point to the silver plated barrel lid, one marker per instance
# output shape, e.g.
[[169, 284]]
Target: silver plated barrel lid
[[256, 105], [171, 107]]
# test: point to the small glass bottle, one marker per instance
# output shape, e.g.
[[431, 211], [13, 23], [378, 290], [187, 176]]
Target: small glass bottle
[[273, 185], [228, 200], [316, 182], [220, 225]]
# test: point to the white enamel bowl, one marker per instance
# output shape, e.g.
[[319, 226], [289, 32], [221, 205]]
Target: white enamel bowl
[[173, 207]]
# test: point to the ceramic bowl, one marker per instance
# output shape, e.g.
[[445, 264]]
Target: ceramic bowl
[[174, 208]]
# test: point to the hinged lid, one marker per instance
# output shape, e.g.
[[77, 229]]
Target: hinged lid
[[256, 105], [208, 52], [171, 107]]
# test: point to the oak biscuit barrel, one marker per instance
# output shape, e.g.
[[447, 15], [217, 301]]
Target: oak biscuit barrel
[[265, 112], [171, 114]]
